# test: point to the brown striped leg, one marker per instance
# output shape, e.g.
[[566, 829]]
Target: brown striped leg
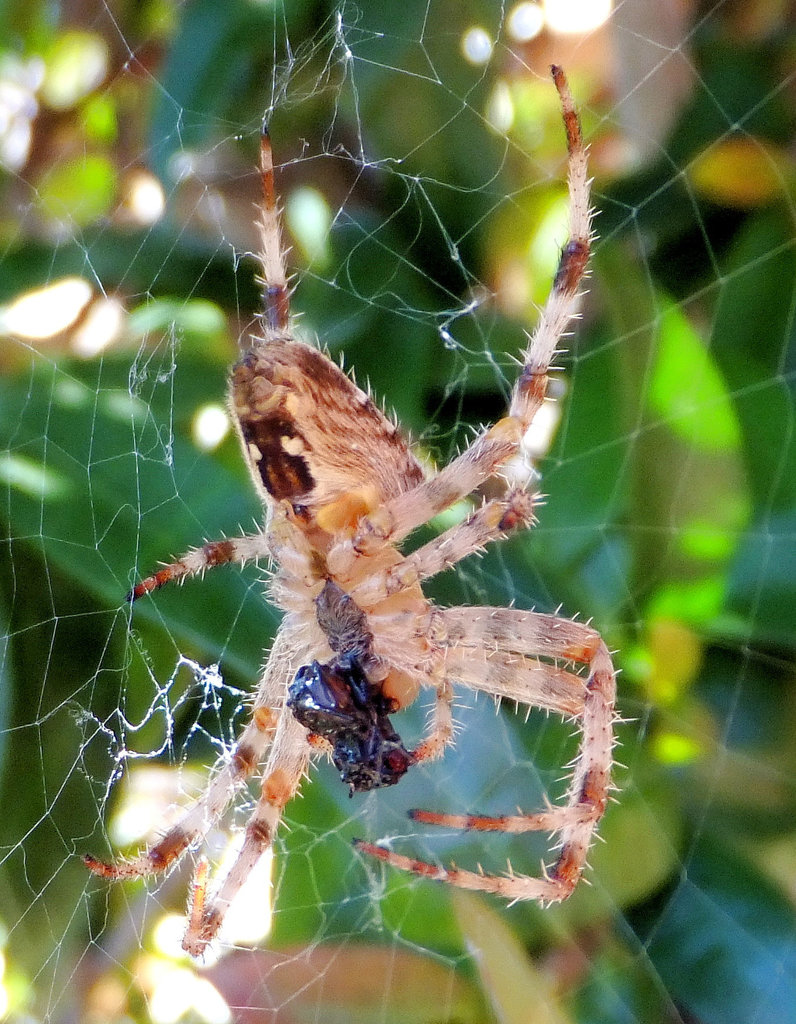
[[287, 764], [246, 755], [198, 560], [461, 477], [563, 300], [538, 684], [276, 293], [492, 521], [494, 447]]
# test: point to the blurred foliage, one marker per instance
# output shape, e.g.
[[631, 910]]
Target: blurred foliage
[[670, 517]]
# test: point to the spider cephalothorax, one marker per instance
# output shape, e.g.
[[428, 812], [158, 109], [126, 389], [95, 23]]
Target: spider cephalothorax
[[359, 639]]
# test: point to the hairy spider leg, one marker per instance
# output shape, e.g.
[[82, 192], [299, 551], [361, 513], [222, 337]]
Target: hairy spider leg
[[494, 520], [288, 762], [247, 753], [499, 665], [197, 561], [276, 316], [276, 292], [561, 306], [495, 446], [496, 651]]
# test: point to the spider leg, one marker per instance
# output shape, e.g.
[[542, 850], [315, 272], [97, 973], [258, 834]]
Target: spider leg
[[441, 732], [494, 519], [416, 506], [499, 663], [486, 632], [562, 303], [246, 755], [495, 650], [287, 763], [495, 446], [198, 560], [276, 293], [519, 678]]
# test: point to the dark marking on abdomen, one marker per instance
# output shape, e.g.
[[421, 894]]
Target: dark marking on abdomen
[[283, 475]]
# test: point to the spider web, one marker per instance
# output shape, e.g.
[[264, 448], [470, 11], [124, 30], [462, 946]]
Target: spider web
[[422, 169]]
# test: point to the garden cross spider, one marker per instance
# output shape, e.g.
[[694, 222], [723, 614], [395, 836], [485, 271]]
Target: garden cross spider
[[358, 640]]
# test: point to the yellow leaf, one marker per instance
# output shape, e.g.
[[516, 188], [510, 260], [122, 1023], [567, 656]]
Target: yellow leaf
[[518, 990], [741, 172]]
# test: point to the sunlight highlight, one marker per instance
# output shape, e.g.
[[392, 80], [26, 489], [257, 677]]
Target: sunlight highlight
[[76, 64], [101, 326], [500, 108], [525, 22], [539, 437], [149, 794], [544, 248], [32, 478], [45, 312], [570, 17], [145, 200], [210, 426], [4, 1000], [19, 82], [674, 749], [249, 918], [178, 993], [167, 936], [477, 45], [309, 220]]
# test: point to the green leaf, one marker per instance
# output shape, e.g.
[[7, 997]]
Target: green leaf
[[753, 339], [79, 191], [724, 941], [687, 391]]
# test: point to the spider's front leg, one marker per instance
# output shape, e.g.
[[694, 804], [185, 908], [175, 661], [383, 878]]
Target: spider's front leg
[[494, 447], [497, 651]]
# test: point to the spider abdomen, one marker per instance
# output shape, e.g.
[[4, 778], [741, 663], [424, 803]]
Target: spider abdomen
[[310, 434]]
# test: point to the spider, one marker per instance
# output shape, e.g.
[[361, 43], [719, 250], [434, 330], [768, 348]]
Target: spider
[[359, 639]]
